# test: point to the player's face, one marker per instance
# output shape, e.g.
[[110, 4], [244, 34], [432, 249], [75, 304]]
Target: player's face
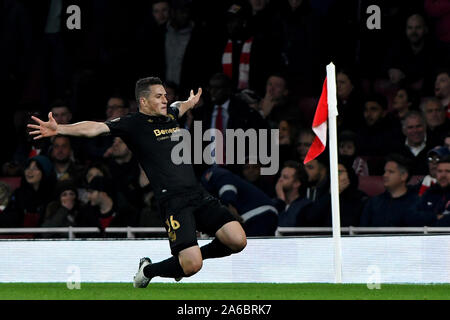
[[156, 101], [443, 174]]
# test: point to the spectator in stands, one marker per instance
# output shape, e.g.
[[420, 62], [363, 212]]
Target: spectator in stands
[[252, 207], [95, 169], [377, 135], [405, 100], [28, 202], [226, 111], [301, 43], [287, 133], [305, 139], [65, 210], [252, 174], [434, 156], [101, 210], [437, 123], [447, 140], [294, 208], [117, 106], [126, 177], [61, 112], [396, 207], [5, 195], [277, 104], [318, 177], [161, 11], [351, 200], [248, 55], [412, 60], [349, 100], [348, 147], [26, 147], [62, 156], [184, 51], [151, 57], [442, 89], [416, 144], [436, 200]]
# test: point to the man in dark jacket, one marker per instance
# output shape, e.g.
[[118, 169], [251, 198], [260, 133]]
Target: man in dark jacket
[[396, 207], [294, 208], [436, 200]]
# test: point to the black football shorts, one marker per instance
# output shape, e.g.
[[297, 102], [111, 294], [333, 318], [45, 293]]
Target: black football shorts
[[186, 213]]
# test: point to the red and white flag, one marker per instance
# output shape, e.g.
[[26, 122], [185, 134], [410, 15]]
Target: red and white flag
[[319, 126]]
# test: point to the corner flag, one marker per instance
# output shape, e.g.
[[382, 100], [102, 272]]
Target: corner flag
[[325, 115], [319, 126]]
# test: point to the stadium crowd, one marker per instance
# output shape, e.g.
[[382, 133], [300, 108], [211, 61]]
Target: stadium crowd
[[261, 64]]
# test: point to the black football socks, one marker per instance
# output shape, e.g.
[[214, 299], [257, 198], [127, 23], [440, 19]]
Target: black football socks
[[169, 268], [215, 249]]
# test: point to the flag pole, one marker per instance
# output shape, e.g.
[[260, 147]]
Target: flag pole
[[334, 182]]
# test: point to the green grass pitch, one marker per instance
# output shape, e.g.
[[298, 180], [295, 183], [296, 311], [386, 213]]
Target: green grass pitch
[[221, 291]]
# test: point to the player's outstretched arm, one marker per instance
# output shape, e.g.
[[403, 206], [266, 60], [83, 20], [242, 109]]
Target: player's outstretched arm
[[52, 128], [189, 103]]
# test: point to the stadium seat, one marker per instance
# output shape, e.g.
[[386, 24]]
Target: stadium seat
[[414, 180], [371, 185], [14, 182]]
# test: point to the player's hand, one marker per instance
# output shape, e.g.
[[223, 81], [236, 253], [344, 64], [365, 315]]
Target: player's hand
[[43, 129], [193, 98]]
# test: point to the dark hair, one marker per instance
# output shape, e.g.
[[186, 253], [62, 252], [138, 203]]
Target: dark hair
[[59, 103], [441, 70], [126, 104], [378, 98], [445, 159], [403, 163], [143, 86], [413, 114], [299, 174], [413, 96], [223, 78]]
